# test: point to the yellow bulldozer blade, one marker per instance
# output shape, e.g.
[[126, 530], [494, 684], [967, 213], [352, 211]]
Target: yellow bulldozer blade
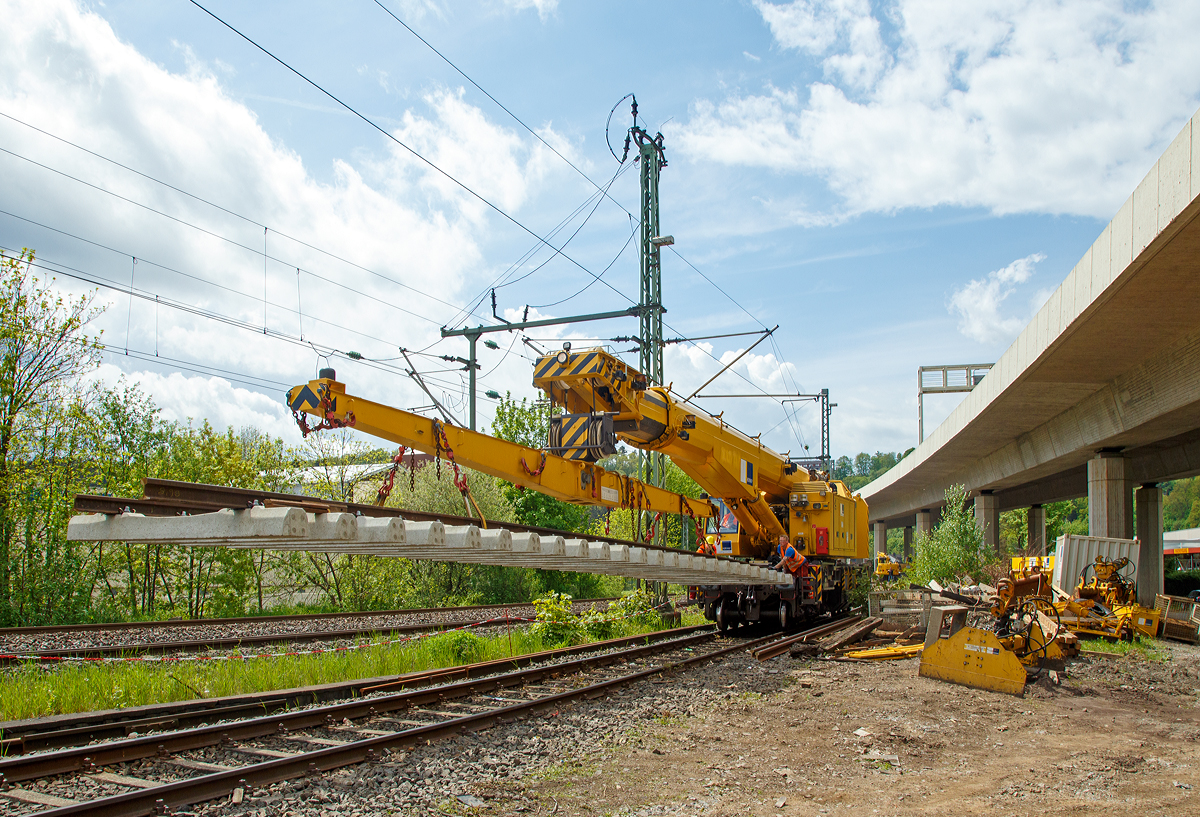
[[969, 656]]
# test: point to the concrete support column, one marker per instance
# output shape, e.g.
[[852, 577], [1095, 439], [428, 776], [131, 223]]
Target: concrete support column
[[1110, 500], [880, 543], [908, 542], [1150, 535], [924, 522], [987, 517], [1037, 531]]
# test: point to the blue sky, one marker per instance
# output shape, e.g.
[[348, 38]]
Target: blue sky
[[894, 183]]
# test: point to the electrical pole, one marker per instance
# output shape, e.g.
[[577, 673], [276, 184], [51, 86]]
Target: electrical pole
[[652, 465]]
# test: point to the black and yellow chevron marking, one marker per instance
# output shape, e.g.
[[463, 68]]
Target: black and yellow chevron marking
[[580, 364], [544, 366], [574, 436]]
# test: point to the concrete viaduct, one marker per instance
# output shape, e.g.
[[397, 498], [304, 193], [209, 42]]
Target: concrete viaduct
[[1099, 396]]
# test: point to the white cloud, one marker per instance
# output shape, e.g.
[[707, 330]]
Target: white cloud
[[545, 8], [1010, 105], [63, 69], [978, 304], [751, 57]]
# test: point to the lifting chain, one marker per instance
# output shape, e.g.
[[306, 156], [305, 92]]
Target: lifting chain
[[389, 479], [687, 507], [329, 421], [537, 472], [441, 443], [607, 518], [653, 525]]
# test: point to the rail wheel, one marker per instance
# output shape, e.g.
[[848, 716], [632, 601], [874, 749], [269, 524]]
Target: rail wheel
[[722, 616], [785, 618]]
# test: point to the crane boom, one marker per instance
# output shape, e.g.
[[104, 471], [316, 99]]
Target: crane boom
[[575, 481], [769, 495]]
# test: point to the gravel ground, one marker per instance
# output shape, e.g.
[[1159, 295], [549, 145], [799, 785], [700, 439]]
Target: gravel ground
[[787, 738], [151, 634]]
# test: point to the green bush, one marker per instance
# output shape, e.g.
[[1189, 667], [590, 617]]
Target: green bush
[[637, 606], [1182, 582], [953, 551], [463, 646], [556, 622]]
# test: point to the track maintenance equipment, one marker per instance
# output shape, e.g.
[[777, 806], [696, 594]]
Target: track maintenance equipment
[[888, 567], [1105, 604], [765, 502]]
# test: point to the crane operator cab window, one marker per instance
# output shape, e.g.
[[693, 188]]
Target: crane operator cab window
[[722, 528]]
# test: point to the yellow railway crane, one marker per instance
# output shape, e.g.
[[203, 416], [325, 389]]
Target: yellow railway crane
[[768, 495]]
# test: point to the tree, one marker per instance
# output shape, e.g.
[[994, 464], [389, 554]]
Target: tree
[[43, 346], [953, 550]]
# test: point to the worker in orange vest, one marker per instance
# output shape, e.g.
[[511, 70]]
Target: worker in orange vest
[[707, 548], [790, 559]]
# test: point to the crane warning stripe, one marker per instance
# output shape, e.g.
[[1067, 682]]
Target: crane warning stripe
[[582, 363]]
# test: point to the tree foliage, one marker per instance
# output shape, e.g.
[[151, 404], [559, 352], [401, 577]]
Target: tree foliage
[[953, 551]]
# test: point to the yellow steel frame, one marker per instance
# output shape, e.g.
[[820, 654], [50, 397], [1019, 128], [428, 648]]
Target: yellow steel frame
[[581, 483]]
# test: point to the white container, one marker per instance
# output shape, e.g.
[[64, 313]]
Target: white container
[[1074, 553]]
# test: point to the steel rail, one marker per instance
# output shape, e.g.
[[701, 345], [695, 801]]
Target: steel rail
[[80, 758], [56, 732], [198, 645], [781, 646], [210, 622], [159, 799]]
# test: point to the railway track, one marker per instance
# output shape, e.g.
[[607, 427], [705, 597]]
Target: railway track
[[89, 641], [156, 773]]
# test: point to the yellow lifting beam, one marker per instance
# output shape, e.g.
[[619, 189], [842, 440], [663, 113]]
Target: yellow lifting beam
[[581, 483]]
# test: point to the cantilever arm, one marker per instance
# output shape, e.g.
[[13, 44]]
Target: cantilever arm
[[581, 483]]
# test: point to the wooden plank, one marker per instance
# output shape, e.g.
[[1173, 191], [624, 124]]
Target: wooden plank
[[36, 797], [123, 780], [314, 741], [198, 765]]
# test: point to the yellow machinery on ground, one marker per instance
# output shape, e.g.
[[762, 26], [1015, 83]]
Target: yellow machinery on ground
[[888, 567], [969, 655], [1026, 635], [761, 495], [1107, 585], [1105, 605]]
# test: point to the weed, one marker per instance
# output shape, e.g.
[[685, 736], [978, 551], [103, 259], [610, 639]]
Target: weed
[[1146, 648], [31, 690]]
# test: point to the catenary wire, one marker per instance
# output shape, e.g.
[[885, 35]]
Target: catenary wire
[[485, 201], [226, 210], [502, 107]]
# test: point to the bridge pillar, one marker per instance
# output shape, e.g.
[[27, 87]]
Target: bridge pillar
[[1037, 530], [1110, 500], [908, 542], [987, 517], [1150, 534], [880, 542], [924, 522]]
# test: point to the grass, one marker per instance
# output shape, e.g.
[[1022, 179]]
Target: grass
[[1146, 648], [32, 690]]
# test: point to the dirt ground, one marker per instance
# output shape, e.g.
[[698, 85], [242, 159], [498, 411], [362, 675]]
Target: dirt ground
[[1118, 736]]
